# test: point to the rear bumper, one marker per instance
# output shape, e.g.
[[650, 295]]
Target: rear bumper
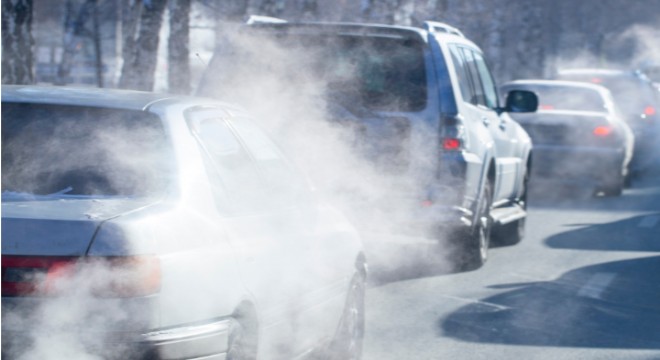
[[569, 164], [207, 341]]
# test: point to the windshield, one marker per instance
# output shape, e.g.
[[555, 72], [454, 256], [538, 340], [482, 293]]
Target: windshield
[[75, 150]]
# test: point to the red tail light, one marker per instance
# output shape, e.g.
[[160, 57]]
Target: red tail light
[[596, 80], [546, 107], [451, 132], [122, 276], [649, 111], [26, 275], [451, 144], [602, 131]]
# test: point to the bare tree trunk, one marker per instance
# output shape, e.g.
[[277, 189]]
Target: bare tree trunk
[[98, 50], [17, 42], [130, 21], [140, 64], [178, 70], [74, 28]]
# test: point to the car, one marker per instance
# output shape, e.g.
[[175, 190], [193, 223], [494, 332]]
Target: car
[[638, 101], [579, 136], [425, 110], [143, 225]]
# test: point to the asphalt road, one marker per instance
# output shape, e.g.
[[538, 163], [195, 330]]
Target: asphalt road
[[583, 284]]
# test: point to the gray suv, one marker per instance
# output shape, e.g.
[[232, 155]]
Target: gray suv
[[424, 106]]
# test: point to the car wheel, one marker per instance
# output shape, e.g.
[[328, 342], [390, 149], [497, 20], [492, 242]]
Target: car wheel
[[628, 179], [347, 344], [513, 233], [473, 246], [614, 187], [242, 344]]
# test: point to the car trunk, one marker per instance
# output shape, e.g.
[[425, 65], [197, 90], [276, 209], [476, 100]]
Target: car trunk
[[57, 226], [570, 128]]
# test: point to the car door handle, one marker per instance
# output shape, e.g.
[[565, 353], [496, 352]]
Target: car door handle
[[485, 120]]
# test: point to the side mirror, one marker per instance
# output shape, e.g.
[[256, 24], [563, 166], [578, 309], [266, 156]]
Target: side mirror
[[521, 101]]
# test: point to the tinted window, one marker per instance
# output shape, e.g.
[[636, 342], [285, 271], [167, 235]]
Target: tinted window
[[75, 150], [376, 73], [384, 74]]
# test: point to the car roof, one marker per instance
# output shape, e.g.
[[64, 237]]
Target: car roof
[[342, 28], [100, 97], [555, 83], [596, 71], [110, 98]]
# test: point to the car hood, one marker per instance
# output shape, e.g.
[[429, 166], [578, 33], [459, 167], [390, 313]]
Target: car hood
[[58, 226]]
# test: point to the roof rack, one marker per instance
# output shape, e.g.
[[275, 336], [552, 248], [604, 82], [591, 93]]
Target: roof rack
[[258, 19], [436, 26]]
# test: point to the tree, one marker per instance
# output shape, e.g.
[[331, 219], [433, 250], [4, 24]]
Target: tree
[[140, 58], [17, 42], [178, 70], [74, 30]]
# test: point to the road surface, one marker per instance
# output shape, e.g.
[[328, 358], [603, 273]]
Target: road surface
[[583, 284]]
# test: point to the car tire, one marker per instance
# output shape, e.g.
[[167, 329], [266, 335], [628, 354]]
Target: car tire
[[348, 341], [242, 342], [472, 245], [614, 187]]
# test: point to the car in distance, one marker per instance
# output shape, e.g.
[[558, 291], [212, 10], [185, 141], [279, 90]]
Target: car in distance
[[639, 102], [425, 107], [579, 136], [139, 225]]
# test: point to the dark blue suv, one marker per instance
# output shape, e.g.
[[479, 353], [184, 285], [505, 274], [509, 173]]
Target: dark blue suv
[[423, 106]]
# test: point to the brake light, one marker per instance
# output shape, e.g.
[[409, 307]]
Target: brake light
[[546, 107], [596, 80], [451, 144], [26, 275], [649, 111], [121, 276], [602, 131]]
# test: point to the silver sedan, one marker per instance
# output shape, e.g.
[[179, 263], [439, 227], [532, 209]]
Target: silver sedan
[[144, 225]]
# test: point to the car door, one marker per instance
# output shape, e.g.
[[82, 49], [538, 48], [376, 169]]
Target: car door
[[268, 260], [502, 131], [322, 258]]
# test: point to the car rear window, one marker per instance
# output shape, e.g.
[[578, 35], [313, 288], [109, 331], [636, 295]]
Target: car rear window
[[373, 72], [570, 98], [382, 73], [75, 150], [631, 94]]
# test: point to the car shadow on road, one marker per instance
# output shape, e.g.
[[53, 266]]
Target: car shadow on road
[[609, 305], [639, 233]]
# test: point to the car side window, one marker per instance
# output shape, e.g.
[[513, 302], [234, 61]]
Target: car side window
[[461, 73], [490, 90], [479, 97], [284, 186], [234, 178]]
